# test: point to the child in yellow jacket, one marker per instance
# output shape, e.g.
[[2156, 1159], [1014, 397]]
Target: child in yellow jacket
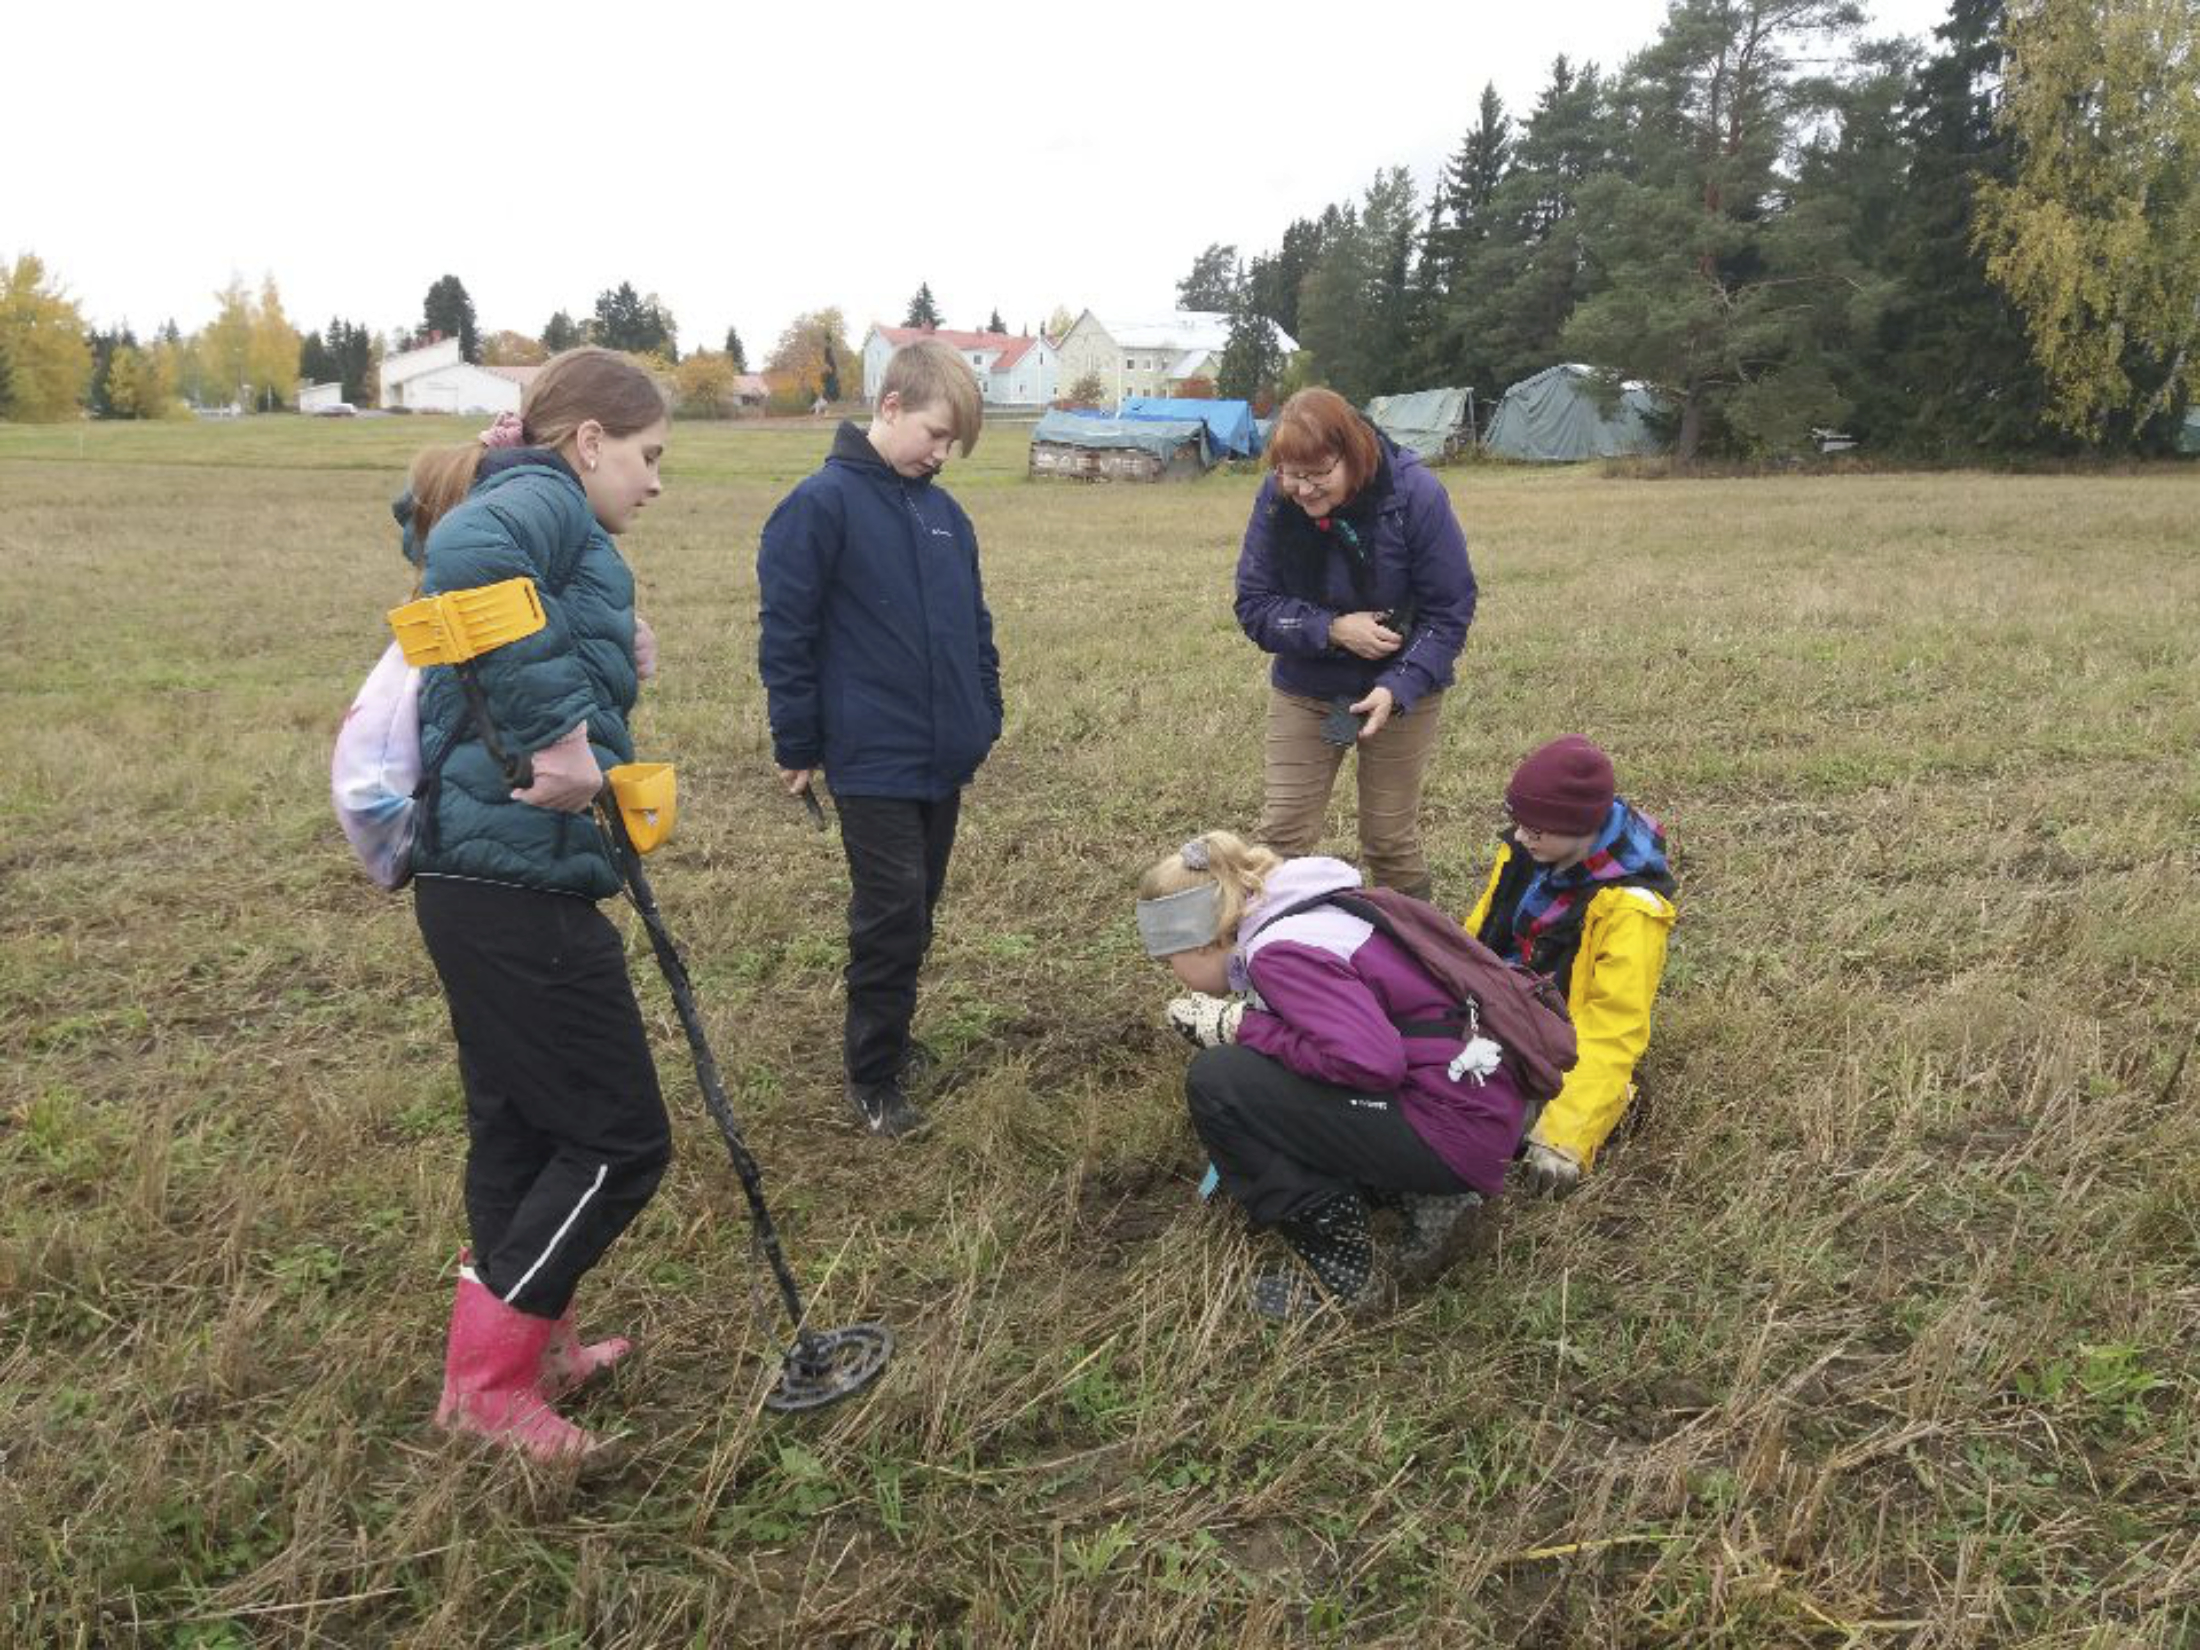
[[1582, 893]]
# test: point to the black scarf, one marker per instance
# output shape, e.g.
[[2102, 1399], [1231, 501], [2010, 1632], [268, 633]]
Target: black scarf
[[1304, 544]]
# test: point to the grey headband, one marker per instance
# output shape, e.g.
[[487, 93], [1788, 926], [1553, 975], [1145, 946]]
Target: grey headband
[[1180, 922]]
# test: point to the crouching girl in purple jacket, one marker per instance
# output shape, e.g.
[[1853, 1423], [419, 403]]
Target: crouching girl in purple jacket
[[1333, 1078]]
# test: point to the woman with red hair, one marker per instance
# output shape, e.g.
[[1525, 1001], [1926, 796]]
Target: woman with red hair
[[1355, 577]]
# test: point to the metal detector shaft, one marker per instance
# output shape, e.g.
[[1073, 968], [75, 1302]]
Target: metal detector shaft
[[706, 1064]]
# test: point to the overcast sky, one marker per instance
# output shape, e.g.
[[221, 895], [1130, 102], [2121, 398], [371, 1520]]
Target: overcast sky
[[745, 164]]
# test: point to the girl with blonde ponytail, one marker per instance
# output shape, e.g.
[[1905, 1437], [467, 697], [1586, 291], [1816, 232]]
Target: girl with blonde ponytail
[[1330, 1069]]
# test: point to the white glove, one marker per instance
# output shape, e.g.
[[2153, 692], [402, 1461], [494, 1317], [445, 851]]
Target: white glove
[[1205, 1021], [566, 775], [1549, 1171], [645, 649]]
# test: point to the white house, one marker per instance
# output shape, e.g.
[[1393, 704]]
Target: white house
[[434, 379], [1014, 370], [1149, 357], [313, 398]]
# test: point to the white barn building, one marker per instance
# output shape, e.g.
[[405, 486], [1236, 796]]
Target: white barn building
[[435, 379]]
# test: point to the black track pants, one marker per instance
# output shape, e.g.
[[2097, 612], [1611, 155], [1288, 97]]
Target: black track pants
[[568, 1129], [897, 864], [1284, 1144]]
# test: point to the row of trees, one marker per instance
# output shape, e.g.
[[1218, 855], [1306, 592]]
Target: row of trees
[[1990, 245], [54, 365]]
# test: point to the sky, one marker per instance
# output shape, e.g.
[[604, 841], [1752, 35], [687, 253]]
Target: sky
[[743, 162]]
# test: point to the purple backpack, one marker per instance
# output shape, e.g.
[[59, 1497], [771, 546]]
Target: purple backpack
[[1523, 1011]]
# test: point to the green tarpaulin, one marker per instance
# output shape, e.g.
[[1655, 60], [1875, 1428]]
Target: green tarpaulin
[[1556, 418], [1430, 422]]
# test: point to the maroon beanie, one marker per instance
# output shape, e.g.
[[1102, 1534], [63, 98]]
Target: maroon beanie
[[1565, 788]]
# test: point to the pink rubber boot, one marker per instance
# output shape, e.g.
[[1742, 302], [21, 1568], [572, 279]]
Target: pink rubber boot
[[492, 1377], [568, 1362]]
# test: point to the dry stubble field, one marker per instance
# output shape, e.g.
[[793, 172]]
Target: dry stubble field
[[1877, 1329]]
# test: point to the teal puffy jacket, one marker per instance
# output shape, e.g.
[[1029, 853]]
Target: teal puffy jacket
[[526, 516]]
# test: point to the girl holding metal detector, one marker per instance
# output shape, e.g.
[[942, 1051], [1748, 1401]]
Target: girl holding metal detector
[[528, 604], [568, 1136]]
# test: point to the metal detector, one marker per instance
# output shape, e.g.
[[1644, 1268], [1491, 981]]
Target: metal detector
[[635, 812]]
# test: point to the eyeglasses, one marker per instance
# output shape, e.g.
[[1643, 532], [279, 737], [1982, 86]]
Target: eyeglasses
[[1309, 478]]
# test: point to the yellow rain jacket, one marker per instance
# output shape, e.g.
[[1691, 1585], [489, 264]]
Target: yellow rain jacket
[[1615, 980]]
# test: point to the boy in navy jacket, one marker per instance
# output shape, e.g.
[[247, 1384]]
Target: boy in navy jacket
[[879, 667]]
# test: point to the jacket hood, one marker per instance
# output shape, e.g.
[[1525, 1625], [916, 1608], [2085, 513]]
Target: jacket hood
[[494, 462], [1295, 882], [852, 447]]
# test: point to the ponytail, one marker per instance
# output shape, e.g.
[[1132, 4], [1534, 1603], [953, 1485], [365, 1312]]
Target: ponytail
[[441, 476]]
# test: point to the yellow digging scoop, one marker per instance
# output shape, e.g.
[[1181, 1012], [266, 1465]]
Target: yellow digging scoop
[[648, 801], [460, 625]]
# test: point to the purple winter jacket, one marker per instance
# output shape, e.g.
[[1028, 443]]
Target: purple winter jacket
[[1418, 550], [1328, 989]]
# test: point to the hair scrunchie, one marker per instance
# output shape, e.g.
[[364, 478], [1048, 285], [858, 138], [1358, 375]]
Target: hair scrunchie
[[1194, 854], [508, 431]]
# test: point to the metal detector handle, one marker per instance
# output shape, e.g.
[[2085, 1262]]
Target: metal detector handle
[[518, 766], [815, 808]]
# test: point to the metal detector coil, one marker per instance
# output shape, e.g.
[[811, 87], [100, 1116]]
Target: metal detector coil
[[823, 1366], [460, 625]]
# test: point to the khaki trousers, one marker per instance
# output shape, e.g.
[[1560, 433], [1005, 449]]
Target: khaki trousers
[[1302, 770]]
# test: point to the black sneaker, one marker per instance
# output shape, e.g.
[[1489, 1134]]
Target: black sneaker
[[884, 1109], [920, 1062]]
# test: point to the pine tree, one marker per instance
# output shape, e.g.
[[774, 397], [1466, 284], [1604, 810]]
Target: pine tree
[[1687, 293], [1459, 222], [351, 352], [562, 332], [449, 312], [1275, 280], [1518, 284], [316, 361], [994, 323], [1212, 282], [1253, 357], [734, 352], [625, 320], [923, 312]]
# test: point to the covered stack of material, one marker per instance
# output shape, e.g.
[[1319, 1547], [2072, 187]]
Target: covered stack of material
[[1085, 448]]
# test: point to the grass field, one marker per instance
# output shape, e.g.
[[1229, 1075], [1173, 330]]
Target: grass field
[[1878, 1328]]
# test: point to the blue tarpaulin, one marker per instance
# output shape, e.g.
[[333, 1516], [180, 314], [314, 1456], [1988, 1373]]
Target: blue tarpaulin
[[1229, 423]]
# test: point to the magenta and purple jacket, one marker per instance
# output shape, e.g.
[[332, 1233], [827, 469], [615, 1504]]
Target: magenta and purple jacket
[[1329, 995]]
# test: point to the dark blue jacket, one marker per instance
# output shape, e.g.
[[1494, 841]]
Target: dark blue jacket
[[1417, 551], [875, 644], [526, 516]]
